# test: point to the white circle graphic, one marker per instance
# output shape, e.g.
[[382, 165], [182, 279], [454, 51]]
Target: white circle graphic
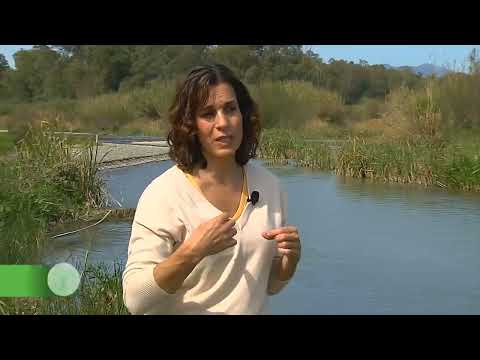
[[63, 279]]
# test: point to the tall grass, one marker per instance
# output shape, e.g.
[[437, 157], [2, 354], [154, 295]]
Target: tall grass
[[457, 97], [108, 113], [292, 104], [153, 101], [428, 163], [462, 166], [413, 115], [279, 144], [50, 181], [394, 162], [437, 163], [105, 112], [7, 143]]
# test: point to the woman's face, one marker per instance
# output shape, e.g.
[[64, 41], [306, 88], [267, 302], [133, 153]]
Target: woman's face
[[219, 123]]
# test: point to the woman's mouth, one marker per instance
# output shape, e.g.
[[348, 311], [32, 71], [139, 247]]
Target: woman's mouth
[[224, 139]]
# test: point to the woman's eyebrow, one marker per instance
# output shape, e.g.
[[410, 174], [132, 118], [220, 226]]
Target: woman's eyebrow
[[229, 102], [212, 107], [207, 108]]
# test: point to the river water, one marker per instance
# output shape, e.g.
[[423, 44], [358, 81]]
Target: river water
[[367, 248]]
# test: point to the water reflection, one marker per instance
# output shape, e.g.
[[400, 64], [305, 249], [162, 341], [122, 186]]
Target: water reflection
[[106, 243]]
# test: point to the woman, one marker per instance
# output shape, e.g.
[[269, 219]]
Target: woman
[[201, 243]]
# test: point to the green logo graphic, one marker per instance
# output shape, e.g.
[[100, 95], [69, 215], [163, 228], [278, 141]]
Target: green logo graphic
[[24, 281], [63, 279]]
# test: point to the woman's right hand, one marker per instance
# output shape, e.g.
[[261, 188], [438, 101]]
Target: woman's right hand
[[208, 238], [212, 236]]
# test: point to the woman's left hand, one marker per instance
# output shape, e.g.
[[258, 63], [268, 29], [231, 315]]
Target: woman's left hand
[[288, 244]]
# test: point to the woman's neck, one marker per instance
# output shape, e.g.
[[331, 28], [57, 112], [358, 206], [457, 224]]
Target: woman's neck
[[220, 172]]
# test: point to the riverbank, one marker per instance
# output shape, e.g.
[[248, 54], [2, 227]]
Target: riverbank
[[439, 163], [431, 161], [111, 156], [44, 182]]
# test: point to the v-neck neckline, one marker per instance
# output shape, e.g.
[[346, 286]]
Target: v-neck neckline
[[202, 196], [197, 193]]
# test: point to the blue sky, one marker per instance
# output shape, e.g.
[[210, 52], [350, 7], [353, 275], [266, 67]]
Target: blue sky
[[9, 50], [395, 55]]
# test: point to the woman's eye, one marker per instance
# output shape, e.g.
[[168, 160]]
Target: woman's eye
[[208, 115], [231, 108]]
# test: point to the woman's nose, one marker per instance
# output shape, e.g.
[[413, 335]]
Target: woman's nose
[[221, 119]]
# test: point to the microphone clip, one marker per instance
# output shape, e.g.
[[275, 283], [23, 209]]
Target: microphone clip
[[254, 197]]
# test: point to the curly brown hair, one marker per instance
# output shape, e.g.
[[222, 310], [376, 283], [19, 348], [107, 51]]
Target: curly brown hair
[[191, 95]]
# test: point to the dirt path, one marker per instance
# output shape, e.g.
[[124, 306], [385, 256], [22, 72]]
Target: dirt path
[[119, 155]]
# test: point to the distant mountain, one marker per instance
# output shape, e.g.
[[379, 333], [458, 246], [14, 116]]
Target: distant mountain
[[424, 69]]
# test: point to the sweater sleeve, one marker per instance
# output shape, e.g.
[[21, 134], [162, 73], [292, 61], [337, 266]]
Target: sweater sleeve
[[156, 229]]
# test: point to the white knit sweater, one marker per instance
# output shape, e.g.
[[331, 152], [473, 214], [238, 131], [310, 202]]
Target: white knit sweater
[[233, 281]]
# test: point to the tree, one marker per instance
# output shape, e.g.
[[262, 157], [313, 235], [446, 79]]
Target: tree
[[76, 71], [110, 64], [68, 50], [238, 57], [33, 67], [474, 62], [3, 64], [4, 70], [181, 58]]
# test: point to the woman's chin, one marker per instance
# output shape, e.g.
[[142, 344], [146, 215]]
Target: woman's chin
[[224, 153]]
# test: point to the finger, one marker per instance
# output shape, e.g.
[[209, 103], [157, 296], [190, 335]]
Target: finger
[[229, 233], [227, 237], [219, 220], [287, 237], [230, 243], [288, 245], [227, 228], [274, 232], [290, 252], [223, 217]]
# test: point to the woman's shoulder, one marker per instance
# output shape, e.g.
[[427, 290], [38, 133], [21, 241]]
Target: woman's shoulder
[[160, 196], [164, 184], [157, 205]]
